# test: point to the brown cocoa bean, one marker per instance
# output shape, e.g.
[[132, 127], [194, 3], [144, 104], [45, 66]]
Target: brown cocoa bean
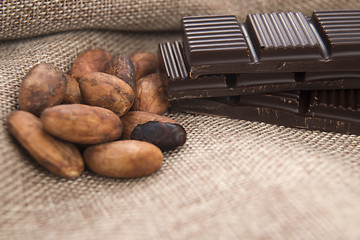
[[43, 86], [124, 159], [145, 63], [107, 91], [72, 94], [161, 131], [94, 60], [122, 67], [151, 95], [59, 157], [82, 124]]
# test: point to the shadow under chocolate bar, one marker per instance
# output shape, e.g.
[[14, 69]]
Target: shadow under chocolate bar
[[268, 52], [325, 110]]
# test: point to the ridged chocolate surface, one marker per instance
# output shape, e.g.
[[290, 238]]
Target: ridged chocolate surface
[[282, 36], [340, 31], [211, 39], [172, 57], [272, 42], [269, 52], [345, 98]]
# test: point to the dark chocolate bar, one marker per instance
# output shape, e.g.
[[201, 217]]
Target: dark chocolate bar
[[276, 42], [325, 110], [268, 52]]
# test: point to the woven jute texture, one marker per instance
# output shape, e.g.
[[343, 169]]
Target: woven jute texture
[[232, 179], [32, 17]]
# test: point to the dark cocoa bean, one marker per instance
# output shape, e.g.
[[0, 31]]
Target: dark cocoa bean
[[161, 131], [164, 135]]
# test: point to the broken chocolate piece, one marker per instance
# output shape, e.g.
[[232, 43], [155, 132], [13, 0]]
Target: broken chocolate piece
[[330, 110]]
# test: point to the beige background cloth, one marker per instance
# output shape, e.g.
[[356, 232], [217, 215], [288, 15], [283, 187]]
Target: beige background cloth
[[233, 179]]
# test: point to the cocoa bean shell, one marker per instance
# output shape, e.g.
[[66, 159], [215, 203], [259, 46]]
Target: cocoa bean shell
[[107, 91], [72, 94], [42, 87], [59, 157], [159, 130], [166, 136], [133, 118], [122, 67], [82, 124], [151, 95], [93, 60], [124, 159], [145, 63]]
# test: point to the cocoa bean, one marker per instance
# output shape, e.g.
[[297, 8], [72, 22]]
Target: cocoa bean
[[72, 94], [105, 90], [82, 124], [145, 63], [122, 67], [94, 60], [59, 157], [124, 159], [43, 86], [161, 131], [151, 95]]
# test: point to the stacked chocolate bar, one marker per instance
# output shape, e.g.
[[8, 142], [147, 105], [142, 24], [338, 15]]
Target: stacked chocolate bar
[[279, 68]]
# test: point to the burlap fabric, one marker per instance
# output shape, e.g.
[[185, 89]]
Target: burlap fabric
[[233, 179]]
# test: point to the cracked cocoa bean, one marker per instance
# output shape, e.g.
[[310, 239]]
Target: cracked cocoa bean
[[161, 131], [72, 94], [59, 157], [43, 86]]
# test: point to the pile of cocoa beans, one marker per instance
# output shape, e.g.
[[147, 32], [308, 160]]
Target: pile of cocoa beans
[[105, 114]]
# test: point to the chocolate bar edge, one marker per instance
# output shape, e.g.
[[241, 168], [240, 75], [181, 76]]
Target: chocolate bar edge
[[267, 115], [187, 93]]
